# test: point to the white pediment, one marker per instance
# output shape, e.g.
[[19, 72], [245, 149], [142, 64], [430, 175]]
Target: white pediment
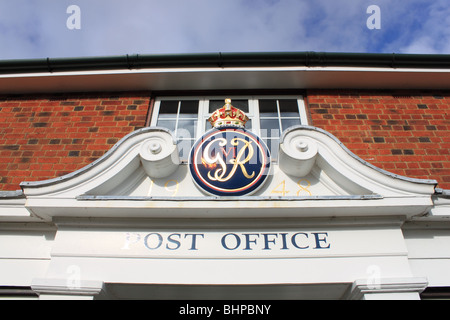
[[316, 175]]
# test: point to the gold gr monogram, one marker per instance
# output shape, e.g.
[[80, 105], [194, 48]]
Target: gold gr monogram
[[221, 171]]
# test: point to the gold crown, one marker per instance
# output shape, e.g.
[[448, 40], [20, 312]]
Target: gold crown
[[228, 116]]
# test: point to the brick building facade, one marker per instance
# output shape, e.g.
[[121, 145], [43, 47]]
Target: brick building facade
[[50, 135], [403, 132], [47, 136], [113, 186]]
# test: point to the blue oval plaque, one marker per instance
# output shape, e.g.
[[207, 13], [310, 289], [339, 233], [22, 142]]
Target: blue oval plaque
[[229, 161]]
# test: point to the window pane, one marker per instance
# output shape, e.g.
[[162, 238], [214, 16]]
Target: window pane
[[187, 128], [208, 125], [189, 109], [248, 125], [270, 128], [268, 108], [168, 108], [217, 104], [169, 124], [288, 108], [272, 144], [168, 116], [286, 123]]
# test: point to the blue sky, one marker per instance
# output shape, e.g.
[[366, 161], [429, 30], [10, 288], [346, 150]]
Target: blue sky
[[38, 28]]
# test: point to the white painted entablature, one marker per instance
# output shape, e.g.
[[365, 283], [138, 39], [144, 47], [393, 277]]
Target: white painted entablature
[[316, 176]]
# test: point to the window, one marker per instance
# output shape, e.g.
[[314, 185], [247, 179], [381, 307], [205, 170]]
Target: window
[[187, 117], [275, 116], [180, 117]]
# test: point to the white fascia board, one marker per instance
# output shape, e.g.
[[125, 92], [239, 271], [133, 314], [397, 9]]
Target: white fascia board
[[47, 208], [226, 79]]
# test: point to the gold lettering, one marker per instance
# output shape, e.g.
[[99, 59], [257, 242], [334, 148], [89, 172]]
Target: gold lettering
[[283, 188], [219, 173], [304, 188], [236, 162], [175, 189]]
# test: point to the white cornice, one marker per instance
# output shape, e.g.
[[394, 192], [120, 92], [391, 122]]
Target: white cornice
[[360, 288], [226, 79]]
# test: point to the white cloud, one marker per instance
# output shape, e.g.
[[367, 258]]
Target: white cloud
[[37, 28], [433, 36]]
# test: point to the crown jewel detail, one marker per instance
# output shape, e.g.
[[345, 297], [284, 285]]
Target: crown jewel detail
[[228, 116]]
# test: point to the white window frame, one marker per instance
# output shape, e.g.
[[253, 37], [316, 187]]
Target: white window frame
[[157, 105], [253, 114]]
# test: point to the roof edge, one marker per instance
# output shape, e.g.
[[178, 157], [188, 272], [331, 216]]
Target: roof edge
[[226, 60]]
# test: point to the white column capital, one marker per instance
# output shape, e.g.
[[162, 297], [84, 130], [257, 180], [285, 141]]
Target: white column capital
[[388, 289], [55, 289]]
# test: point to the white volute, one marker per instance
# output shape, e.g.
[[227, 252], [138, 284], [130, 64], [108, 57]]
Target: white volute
[[159, 155]]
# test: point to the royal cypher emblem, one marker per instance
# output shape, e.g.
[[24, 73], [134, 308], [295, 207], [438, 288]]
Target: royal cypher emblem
[[229, 160]]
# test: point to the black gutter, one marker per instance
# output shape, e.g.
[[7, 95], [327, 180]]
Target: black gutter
[[226, 60]]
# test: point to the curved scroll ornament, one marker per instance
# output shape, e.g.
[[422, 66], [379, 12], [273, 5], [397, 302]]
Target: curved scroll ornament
[[159, 155], [297, 154]]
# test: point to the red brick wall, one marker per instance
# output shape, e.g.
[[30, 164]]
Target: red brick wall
[[407, 133], [46, 136]]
